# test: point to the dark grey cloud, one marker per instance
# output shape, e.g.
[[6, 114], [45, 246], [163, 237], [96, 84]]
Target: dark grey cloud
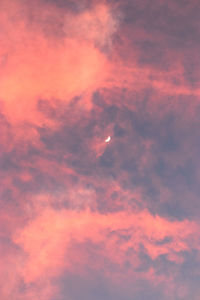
[[160, 124]]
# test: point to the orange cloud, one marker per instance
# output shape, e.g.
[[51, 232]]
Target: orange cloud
[[50, 211], [37, 67], [47, 240]]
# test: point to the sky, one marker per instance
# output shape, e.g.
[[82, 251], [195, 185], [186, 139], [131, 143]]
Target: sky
[[84, 216]]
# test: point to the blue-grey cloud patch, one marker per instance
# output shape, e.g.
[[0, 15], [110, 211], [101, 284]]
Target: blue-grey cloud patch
[[96, 286], [71, 145]]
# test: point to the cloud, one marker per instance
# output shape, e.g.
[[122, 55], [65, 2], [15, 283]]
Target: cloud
[[117, 239], [39, 66], [81, 218]]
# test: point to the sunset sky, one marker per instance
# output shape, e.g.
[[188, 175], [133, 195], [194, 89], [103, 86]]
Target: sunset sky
[[99, 150]]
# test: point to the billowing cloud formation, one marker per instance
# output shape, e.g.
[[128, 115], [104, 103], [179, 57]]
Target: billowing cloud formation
[[41, 63], [82, 218]]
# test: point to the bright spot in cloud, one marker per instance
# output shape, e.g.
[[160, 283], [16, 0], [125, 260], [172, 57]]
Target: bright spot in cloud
[[108, 139]]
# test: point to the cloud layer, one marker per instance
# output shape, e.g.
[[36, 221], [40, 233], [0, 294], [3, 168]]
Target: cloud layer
[[81, 218]]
